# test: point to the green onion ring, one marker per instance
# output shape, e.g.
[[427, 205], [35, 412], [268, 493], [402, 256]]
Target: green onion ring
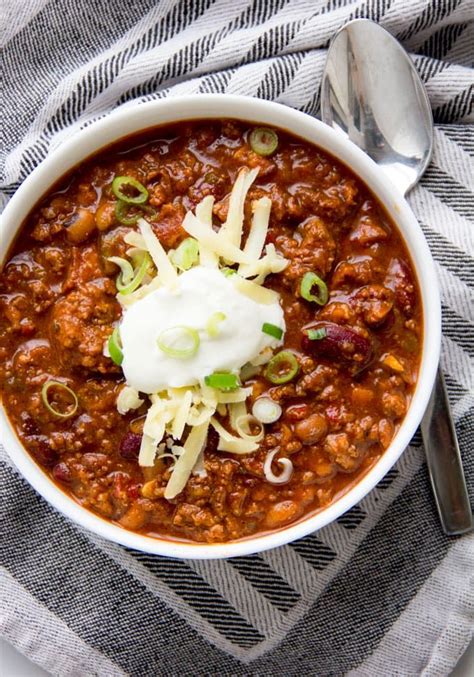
[[263, 140], [139, 273], [187, 254], [316, 334], [282, 367], [121, 213], [309, 281], [169, 342], [121, 182], [62, 386], [272, 330], [114, 345], [126, 268], [222, 381], [212, 326]]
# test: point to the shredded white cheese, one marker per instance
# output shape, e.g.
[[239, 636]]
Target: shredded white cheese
[[176, 412], [166, 270], [232, 228], [207, 256], [184, 465], [258, 232]]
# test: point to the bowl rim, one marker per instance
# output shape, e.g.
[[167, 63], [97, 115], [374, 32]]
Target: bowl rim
[[135, 117]]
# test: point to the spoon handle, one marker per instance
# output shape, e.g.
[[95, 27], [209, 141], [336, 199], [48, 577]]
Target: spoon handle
[[444, 462]]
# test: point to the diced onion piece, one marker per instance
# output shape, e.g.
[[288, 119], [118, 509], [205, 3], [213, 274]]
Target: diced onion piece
[[222, 381], [181, 416], [204, 213], [308, 283], [165, 268], [243, 426], [266, 410], [212, 240], [187, 254], [58, 385], [263, 140], [184, 465], [114, 347], [127, 399], [254, 291], [287, 468], [179, 342], [258, 232], [212, 326], [147, 453], [121, 182], [232, 228], [282, 367], [272, 330]]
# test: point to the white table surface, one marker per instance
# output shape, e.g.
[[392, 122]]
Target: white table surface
[[14, 664]]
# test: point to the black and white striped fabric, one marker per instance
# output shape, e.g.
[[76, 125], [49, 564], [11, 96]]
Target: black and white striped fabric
[[380, 592]]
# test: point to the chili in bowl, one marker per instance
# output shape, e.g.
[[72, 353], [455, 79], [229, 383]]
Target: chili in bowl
[[220, 326]]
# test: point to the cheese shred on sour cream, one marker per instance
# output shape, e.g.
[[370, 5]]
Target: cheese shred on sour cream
[[193, 328]]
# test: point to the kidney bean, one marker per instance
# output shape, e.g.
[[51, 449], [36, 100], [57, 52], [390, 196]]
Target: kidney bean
[[130, 446], [62, 472], [340, 342]]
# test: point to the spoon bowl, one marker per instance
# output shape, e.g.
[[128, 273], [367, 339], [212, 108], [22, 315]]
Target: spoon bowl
[[372, 93]]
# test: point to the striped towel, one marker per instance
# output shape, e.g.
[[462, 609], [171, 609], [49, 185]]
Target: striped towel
[[380, 592]]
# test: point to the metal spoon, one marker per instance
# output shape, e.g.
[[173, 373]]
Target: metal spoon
[[371, 92]]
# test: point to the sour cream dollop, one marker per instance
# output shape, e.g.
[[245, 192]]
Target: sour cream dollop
[[200, 293]]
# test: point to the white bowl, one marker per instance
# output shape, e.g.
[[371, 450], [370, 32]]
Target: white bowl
[[133, 119]]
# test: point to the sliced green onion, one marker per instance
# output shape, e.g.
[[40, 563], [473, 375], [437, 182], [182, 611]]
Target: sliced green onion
[[282, 367], [316, 334], [212, 326], [272, 330], [126, 268], [309, 281], [115, 347], [127, 287], [128, 182], [122, 213], [179, 342], [151, 211], [222, 381], [60, 386], [263, 140], [266, 410], [227, 272], [187, 254]]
